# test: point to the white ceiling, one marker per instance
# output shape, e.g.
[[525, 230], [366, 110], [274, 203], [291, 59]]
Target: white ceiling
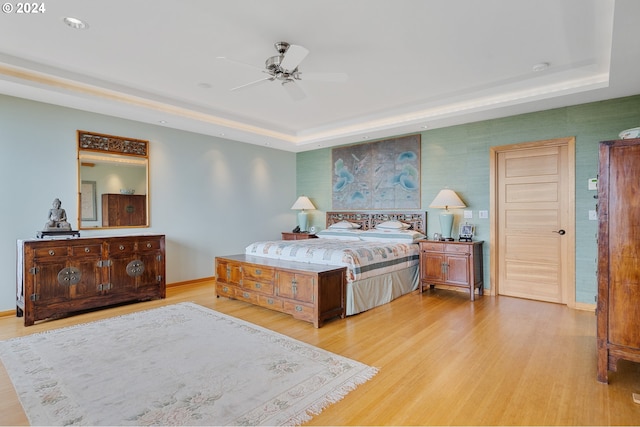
[[410, 63]]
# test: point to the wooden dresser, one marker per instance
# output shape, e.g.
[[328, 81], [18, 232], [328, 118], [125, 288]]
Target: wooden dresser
[[124, 210], [452, 264], [310, 292], [60, 276], [618, 308]]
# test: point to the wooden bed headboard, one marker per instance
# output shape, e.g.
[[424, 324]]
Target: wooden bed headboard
[[369, 219]]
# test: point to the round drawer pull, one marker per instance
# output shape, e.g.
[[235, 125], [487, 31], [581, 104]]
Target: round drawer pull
[[149, 245], [87, 250], [122, 247], [52, 252]]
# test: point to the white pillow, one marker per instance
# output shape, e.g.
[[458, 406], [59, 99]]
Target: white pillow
[[392, 225], [340, 234], [342, 225], [391, 236]]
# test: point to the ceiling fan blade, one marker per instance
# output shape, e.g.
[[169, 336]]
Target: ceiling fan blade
[[244, 64], [325, 77], [293, 57], [252, 83], [294, 90]]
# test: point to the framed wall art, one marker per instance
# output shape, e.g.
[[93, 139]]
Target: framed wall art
[[88, 202], [377, 175]]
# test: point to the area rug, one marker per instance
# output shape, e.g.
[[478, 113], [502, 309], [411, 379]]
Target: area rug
[[182, 364]]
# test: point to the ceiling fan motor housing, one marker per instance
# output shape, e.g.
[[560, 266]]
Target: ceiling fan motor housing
[[281, 47]]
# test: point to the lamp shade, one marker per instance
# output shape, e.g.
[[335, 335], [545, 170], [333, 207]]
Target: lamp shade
[[303, 203], [447, 199]]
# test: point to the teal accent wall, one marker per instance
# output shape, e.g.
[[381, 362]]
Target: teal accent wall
[[458, 157]]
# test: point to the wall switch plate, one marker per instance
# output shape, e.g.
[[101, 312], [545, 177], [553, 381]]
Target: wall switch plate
[[483, 214], [468, 214], [593, 215], [593, 184]]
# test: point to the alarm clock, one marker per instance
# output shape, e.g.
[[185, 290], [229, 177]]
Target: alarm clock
[[312, 229]]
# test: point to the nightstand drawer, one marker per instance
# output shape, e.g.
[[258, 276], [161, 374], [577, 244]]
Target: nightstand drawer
[[432, 246], [458, 249]]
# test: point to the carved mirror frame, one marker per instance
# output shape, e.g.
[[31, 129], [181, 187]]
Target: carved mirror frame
[[113, 188]]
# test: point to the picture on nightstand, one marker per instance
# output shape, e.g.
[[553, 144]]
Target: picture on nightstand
[[466, 232]]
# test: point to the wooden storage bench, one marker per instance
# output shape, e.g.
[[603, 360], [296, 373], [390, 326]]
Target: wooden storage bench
[[309, 292]]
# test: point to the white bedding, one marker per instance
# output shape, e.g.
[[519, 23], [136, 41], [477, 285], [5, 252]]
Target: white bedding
[[377, 272]]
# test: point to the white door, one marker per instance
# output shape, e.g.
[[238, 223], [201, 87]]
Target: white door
[[533, 220]]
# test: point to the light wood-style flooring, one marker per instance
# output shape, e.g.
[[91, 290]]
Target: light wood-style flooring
[[443, 360]]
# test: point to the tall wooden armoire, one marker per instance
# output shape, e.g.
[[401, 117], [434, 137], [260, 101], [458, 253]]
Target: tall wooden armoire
[[618, 308]]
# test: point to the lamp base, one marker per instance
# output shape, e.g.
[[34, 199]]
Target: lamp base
[[302, 221], [446, 224]]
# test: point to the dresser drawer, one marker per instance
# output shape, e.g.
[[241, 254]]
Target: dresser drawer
[[270, 302], [301, 311], [149, 245], [257, 285], [50, 252], [223, 290], [86, 250], [122, 247], [247, 296], [258, 273]]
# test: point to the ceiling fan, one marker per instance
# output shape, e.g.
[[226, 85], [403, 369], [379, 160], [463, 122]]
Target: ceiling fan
[[284, 68]]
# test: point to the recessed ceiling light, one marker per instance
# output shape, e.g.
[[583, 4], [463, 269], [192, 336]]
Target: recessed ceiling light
[[541, 66], [424, 127], [75, 23], [162, 122]]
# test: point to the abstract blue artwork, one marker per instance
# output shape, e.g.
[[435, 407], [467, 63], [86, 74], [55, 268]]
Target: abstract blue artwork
[[377, 175]]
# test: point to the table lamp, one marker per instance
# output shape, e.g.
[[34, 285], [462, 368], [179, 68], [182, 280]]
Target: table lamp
[[302, 203], [446, 199]]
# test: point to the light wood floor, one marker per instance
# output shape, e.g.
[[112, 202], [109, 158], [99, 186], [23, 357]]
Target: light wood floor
[[443, 360]]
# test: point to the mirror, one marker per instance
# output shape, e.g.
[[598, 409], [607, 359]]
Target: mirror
[[113, 181]]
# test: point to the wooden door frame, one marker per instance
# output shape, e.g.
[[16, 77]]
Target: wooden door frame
[[569, 288]]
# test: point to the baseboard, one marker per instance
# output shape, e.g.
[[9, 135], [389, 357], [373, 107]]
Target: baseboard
[[584, 306], [191, 282], [7, 313]]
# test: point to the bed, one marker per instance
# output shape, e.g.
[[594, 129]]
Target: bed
[[378, 249]]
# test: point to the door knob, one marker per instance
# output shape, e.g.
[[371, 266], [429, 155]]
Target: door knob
[[560, 232]]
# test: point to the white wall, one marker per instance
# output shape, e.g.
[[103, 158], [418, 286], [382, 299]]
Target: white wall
[[209, 196]]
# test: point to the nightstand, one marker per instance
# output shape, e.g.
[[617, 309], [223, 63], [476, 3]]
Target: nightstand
[[297, 236], [451, 264]]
